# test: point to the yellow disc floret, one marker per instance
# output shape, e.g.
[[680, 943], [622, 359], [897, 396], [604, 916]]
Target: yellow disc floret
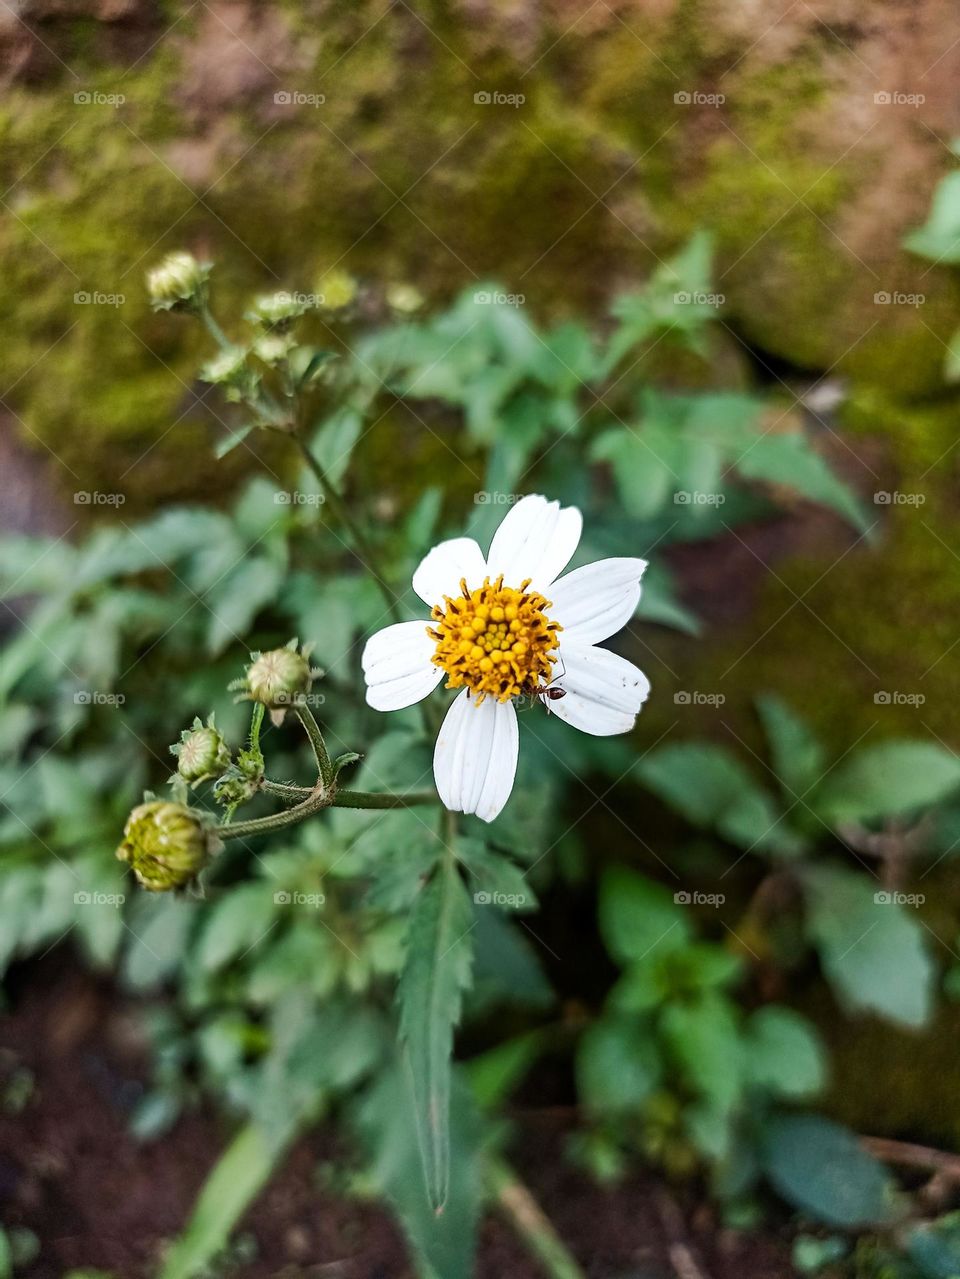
[[495, 640]]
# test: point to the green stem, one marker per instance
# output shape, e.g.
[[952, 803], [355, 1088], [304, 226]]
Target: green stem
[[324, 767], [214, 329], [530, 1221], [361, 543], [364, 799], [320, 799], [285, 790]]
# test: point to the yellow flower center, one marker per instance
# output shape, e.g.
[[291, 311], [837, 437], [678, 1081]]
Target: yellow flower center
[[495, 640]]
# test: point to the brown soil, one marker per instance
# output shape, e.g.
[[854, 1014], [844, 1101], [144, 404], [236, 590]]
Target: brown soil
[[71, 1173]]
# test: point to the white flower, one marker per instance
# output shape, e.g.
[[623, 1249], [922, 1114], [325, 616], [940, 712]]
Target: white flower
[[509, 627]]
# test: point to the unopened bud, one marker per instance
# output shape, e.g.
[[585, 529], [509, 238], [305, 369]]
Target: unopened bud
[[278, 310], [166, 844], [404, 298], [202, 753], [179, 281]]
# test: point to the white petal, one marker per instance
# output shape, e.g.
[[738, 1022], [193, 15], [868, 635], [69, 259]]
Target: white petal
[[441, 570], [604, 692], [535, 539], [397, 666], [594, 602], [475, 759]]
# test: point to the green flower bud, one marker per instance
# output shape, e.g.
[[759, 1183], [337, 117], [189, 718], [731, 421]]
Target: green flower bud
[[179, 282], [277, 678], [202, 753], [273, 348], [404, 298], [338, 289], [166, 844], [228, 366], [278, 310]]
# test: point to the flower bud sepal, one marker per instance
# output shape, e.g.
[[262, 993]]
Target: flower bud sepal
[[278, 679]]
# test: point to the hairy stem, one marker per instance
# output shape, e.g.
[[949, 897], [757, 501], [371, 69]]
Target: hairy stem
[[363, 799], [322, 756]]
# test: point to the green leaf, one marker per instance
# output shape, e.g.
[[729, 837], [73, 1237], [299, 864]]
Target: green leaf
[[235, 601], [821, 1168], [711, 788], [494, 1074], [443, 1242], [236, 923], [873, 952], [618, 1065], [239, 1174], [639, 917], [791, 460], [797, 755], [704, 1039], [939, 237], [784, 1055], [334, 443], [230, 442], [886, 780], [437, 968]]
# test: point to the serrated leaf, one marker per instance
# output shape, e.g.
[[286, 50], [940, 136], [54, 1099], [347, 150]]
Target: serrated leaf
[[792, 461], [430, 992]]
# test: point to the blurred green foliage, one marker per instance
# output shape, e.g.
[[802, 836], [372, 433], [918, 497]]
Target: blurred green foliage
[[275, 991]]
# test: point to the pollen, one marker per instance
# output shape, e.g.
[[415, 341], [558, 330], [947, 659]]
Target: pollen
[[496, 640]]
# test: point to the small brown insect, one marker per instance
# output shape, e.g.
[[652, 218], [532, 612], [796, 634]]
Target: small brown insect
[[544, 692]]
